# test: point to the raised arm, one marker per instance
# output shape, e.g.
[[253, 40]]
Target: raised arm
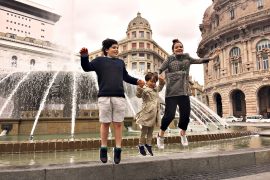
[[199, 60], [164, 65], [204, 60], [86, 65]]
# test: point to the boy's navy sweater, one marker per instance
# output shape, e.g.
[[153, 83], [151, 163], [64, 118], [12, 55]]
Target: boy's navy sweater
[[111, 72]]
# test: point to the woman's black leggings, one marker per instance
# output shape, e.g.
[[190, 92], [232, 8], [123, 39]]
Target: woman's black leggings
[[171, 103]]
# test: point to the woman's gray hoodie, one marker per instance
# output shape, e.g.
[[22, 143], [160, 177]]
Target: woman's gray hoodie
[[177, 73]]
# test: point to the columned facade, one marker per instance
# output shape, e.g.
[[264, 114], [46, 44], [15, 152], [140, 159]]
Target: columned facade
[[239, 30]]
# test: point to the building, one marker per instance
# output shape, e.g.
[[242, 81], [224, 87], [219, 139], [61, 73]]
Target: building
[[138, 50], [26, 34], [238, 81]]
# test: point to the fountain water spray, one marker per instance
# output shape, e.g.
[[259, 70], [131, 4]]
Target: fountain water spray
[[74, 98], [7, 76], [13, 92], [42, 104]]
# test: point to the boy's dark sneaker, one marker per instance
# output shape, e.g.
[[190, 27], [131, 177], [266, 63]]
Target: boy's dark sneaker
[[103, 154], [149, 149], [142, 150], [117, 155]]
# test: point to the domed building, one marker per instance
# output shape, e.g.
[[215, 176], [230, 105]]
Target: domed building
[[138, 50], [237, 82]]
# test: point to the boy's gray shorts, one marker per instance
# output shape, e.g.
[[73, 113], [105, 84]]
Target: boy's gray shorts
[[111, 109]]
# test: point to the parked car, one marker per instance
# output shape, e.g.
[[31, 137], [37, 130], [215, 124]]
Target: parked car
[[254, 118], [265, 120], [233, 119]]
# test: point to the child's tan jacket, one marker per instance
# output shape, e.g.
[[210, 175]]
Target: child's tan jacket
[[150, 113]]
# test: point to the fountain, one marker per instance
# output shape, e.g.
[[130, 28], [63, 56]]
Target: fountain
[[60, 105]]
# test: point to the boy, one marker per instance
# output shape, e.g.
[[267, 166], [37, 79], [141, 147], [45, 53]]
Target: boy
[[111, 73]]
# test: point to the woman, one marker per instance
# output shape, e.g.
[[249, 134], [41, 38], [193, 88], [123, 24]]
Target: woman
[[177, 68]]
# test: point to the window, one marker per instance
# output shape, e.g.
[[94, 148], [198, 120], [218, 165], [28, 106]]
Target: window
[[235, 52], [235, 67], [142, 66], [148, 46], [134, 56], [232, 14], [134, 66], [134, 45], [236, 36], [141, 45], [141, 55], [265, 63], [32, 63], [133, 34], [263, 44], [14, 61], [217, 72], [148, 56], [216, 22], [259, 4], [148, 66], [141, 34]]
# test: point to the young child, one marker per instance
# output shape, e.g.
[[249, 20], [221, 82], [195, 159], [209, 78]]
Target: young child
[[111, 73], [149, 116]]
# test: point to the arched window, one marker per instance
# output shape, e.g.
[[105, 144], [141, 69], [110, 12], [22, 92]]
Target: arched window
[[235, 59], [263, 51], [32, 62], [14, 61], [263, 44], [235, 52], [216, 68]]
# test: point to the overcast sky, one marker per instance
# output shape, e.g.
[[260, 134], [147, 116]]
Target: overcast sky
[[86, 23]]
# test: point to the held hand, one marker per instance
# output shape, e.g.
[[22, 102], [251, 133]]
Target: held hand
[[140, 83], [161, 79], [84, 51]]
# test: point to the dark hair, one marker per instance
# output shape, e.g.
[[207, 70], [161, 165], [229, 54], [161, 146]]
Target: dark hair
[[151, 76], [106, 44], [174, 41]]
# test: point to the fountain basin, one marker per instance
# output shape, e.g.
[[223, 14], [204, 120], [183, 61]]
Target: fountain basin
[[219, 157], [93, 143]]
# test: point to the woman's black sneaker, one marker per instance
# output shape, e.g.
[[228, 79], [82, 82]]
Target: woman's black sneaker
[[142, 150], [103, 154], [149, 149], [117, 155]]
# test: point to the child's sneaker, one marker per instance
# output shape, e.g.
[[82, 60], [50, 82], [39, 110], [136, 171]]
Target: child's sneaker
[[184, 140], [117, 155], [160, 142], [149, 149], [142, 150], [103, 154]]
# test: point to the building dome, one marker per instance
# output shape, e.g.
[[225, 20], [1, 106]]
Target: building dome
[[138, 22]]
